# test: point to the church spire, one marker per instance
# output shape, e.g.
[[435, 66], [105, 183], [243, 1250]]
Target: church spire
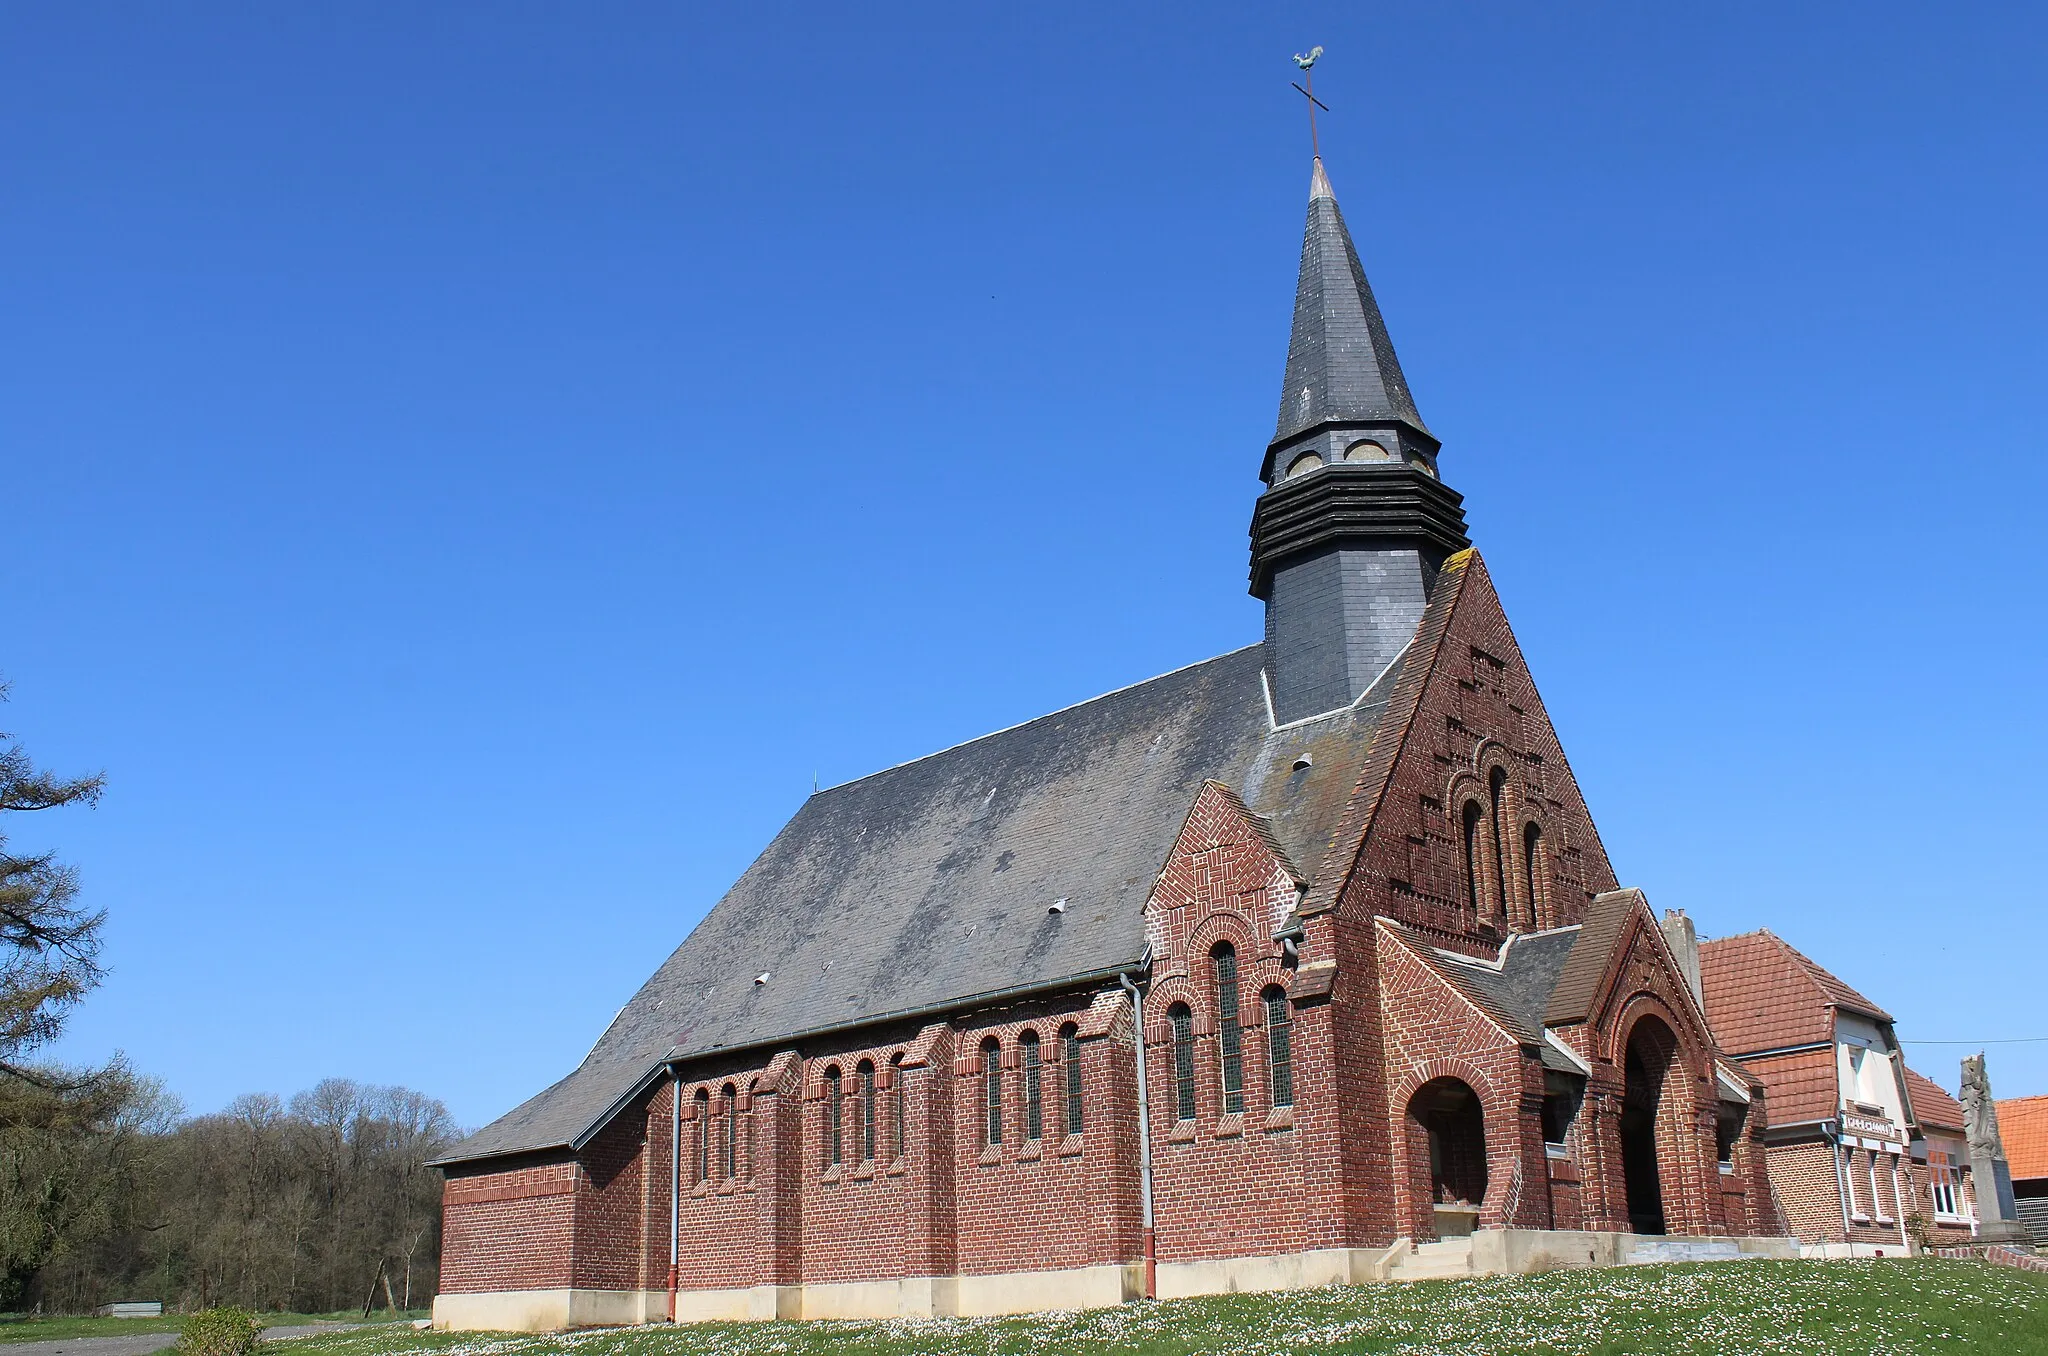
[[1341, 368], [1354, 523]]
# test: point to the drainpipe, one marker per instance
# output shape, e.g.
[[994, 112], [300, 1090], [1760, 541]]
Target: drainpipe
[[675, 1183], [1899, 1204], [1144, 1138], [1840, 1155]]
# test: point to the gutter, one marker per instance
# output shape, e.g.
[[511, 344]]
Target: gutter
[[1144, 1138]]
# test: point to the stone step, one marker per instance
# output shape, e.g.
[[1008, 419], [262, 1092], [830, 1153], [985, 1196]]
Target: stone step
[[1435, 1261]]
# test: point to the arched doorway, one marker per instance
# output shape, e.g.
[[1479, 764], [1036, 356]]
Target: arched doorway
[[1652, 1052], [1447, 1113]]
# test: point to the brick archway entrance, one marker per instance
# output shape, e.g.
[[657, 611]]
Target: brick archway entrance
[[1647, 1105], [1448, 1113]]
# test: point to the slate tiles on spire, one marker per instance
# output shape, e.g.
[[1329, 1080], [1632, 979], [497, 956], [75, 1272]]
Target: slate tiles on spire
[[1340, 363]]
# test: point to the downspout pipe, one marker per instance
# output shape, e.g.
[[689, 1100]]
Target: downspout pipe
[[1899, 1204], [1144, 1138], [1841, 1155], [675, 1184]]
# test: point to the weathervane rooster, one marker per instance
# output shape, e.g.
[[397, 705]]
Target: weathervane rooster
[[1307, 60]]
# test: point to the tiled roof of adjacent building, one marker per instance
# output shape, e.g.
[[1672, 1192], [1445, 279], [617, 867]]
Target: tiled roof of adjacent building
[[1932, 1106], [1763, 994], [2023, 1129], [927, 886], [1800, 1086]]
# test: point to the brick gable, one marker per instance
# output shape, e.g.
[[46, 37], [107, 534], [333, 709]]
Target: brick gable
[[1465, 706]]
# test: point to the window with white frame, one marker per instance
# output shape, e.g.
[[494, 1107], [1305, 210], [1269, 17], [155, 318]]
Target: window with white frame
[[1946, 1181]]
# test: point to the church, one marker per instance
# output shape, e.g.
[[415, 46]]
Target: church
[[1302, 964]]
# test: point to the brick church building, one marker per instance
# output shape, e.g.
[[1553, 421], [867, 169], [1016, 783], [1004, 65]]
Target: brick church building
[[1300, 964]]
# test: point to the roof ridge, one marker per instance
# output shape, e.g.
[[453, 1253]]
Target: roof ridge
[[1823, 977], [1058, 711]]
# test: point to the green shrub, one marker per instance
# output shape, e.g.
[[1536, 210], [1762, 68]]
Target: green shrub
[[220, 1332]]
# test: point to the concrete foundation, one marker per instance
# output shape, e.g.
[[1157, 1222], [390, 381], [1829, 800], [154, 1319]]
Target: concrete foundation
[[1493, 1252], [1287, 1271]]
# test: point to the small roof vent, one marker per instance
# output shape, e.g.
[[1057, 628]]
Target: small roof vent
[[1305, 760], [762, 978], [1058, 905]]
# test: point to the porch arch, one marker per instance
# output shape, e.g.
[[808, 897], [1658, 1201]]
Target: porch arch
[[1445, 1130]]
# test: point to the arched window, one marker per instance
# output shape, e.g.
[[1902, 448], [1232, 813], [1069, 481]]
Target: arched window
[[1496, 790], [1070, 1054], [1034, 1102], [1279, 1046], [703, 1134], [1303, 464], [1183, 1023], [1366, 451], [991, 1092], [902, 1100], [867, 1112], [1473, 815], [835, 1111], [1532, 870], [732, 1133], [1229, 1035]]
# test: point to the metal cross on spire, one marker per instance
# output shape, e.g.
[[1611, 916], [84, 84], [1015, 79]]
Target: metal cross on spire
[[1307, 61]]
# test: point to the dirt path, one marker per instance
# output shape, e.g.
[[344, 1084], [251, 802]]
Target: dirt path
[[143, 1343]]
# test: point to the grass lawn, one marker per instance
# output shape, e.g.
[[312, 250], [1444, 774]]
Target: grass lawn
[[1875, 1308], [24, 1328]]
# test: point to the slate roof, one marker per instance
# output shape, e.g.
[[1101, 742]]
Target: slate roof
[[1513, 988], [1571, 999], [1340, 362], [1932, 1106], [2023, 1131], [926, 886], [1763, 994]]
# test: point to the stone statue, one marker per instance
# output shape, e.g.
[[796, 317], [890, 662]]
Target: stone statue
[[1997, 1212]]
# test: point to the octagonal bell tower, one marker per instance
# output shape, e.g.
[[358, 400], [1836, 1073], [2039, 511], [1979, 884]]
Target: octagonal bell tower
[[1354, 522]]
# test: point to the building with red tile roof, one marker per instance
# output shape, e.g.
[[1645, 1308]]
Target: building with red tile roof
[[1866, 1156], [2023, 1128]]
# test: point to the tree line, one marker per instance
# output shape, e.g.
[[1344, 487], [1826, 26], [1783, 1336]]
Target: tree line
[[109, 1192], [315, 1204]]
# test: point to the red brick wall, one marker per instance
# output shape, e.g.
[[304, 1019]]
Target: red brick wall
[[1432, 1032], [1474, 710], [1803, 1175], [1055, 1201], [1226, 1183], [508, 1230]]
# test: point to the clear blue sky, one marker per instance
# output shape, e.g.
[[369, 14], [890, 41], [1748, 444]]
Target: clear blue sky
[[467, 468]]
